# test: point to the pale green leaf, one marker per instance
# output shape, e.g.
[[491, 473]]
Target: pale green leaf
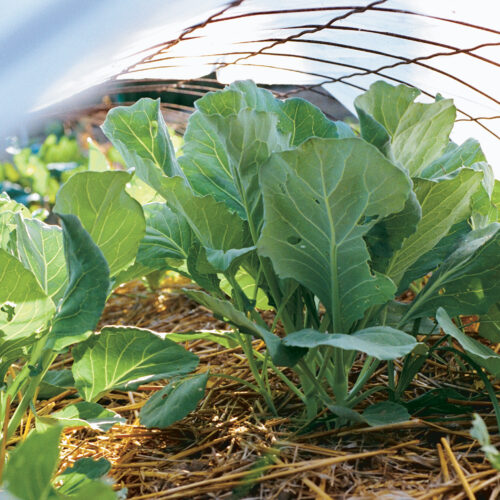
[[168, 236], [126, 357], [97, 159], [479, 431], [213, 224], [468, 281], [140, 135], [24, 306], [434, 257], [248, 286], [315, 206], [414, 134], [306, 120], [173, 402], [445, 202], [453, 158], [142, 192], [381, 342], [113, 219], [86, 293], [40, 249]]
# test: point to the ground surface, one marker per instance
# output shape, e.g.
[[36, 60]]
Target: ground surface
[[230, 447]]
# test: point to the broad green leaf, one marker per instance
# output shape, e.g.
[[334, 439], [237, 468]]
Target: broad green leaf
[[31, 465], [315, 211], [113, 219], [82, 481], [468, 281], [306, 120], [40, 249], [453, 158], [483, 209], [222, 260], [444, 202], [434, 257], [482, 355], [418, 133], [140, 135], [386, 104], [381, 342], [489, 324], [86, 293], [297, 117], [126, 357], [24, 306], [422, 134], [281, 354], [495, 200], [168, 236], [385, 413], [223, 154], [173, 402], [387, 235], [85, 414], [234, 131], [380, 110]]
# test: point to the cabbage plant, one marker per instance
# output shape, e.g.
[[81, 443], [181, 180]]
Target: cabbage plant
[[273, 203], [54, 283]]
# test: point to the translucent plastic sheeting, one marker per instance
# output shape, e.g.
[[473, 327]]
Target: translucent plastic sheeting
[[446, 46]]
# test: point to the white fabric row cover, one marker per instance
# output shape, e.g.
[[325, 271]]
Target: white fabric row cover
[[53, 50]]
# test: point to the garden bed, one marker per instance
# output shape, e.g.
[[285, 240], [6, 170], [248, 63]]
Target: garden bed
[[231, 447]]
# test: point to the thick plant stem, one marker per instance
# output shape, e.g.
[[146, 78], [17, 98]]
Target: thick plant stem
[[340, 385]]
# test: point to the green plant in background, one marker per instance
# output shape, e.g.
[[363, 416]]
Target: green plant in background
[[270, 197], [34, 176]]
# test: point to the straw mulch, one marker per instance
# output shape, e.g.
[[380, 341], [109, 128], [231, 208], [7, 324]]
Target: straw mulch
[[230, 447]]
